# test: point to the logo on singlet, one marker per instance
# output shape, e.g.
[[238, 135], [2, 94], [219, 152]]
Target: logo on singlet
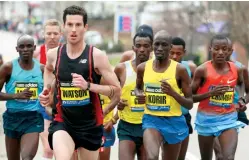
[[231, 81], [83, 61]]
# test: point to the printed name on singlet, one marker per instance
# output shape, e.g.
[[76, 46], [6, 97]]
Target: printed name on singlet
[[135, 106], [33, 87], [73, 96], [224, 100], [155, 99]]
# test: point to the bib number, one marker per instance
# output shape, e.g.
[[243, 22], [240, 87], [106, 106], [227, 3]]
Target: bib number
[[33, 87], [224, 100], [73, 96], [135, 107], [156, 100]]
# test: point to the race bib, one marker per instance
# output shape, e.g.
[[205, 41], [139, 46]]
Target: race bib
[[135, 107], [224, 100], [33, 86], [156, 100], [73, 96]]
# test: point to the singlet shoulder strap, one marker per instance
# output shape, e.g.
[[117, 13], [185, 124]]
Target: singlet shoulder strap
[[90, 59]]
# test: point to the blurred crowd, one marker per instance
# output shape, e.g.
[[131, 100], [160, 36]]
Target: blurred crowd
[[29, 25]]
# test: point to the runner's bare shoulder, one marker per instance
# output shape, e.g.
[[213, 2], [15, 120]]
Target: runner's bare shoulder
[[201, 70], [127, 55], [181, 71], [6, 68]]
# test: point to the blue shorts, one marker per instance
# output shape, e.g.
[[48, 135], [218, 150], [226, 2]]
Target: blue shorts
[[214, 125], [110, 138], [44, 113], [17, 124], [217, 130], [173, 129]]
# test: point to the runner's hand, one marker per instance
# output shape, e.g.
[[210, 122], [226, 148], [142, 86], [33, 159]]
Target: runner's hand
[[25, 94], [166, 88], [219, 90], [108, 126], [79, 81], [45, 97], [141, 98], [241, 106], [121, 104]]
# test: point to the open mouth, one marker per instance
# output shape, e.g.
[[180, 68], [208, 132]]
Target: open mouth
[[73, 36]]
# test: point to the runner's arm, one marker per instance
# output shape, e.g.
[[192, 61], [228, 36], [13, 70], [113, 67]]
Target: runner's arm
[[5, 72], [246, 84], [115, 118], [102, 65], [140, 78], [196, 83], [49, 67], [186, 100], [119, 71]]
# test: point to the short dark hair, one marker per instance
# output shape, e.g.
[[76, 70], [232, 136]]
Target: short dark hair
[[75, 10], [218, 37], [178, 41], [144, 31]]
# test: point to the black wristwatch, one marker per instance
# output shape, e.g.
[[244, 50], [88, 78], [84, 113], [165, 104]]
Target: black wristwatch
[[88, 85]]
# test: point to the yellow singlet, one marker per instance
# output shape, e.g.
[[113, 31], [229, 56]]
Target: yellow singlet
[[158, 103]]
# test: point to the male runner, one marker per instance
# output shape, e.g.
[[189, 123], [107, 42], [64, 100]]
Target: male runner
[[130, 55], [78, 68], [241, 115], [176, 53], [22, 121], [213, 86], [162, 80], [129, 130], [52, 35]]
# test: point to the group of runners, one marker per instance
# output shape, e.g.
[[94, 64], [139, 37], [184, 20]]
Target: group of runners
[[66, 94]]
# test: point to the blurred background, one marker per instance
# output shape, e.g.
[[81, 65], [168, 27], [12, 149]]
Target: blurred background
[[113, 24]]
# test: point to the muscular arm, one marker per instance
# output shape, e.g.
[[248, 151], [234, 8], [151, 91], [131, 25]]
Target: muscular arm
[[185, 100], [102, 65], [5, 72], [119, 70], [49, 67], [199, 75]]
